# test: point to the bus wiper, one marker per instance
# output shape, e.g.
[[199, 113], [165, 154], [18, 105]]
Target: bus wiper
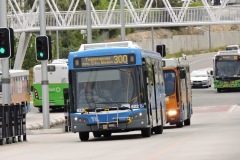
[[111, 102], [89, 110], [225, 77], [120, 105]]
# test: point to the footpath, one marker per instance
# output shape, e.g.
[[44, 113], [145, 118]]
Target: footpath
[[34, 123]]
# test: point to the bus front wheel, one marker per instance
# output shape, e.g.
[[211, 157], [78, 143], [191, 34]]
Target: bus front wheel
[[179, 124], [107, 134], [146, 132], [97, 134], [84, 136]]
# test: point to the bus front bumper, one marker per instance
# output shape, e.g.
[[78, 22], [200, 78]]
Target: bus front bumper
[[121, 126], [173, 116]]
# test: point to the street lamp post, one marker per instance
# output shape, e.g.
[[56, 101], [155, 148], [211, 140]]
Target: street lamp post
[[209, 35]]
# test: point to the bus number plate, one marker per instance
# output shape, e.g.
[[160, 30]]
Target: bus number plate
[[107, 126], [103, 126]]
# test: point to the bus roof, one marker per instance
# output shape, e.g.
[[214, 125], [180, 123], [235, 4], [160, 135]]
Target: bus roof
[[57, 61], [172, 62], [15, 73], [110, 49], [128, 44], [228, 52]]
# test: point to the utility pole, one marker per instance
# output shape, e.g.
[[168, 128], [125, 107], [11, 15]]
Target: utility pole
[[152, 32], [209, 37], [5, 61], [45, 88], [89, 21]]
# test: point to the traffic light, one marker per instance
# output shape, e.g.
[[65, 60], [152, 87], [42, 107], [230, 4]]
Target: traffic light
[[11, 42], [6, 42], [43, 48], [161, 49]]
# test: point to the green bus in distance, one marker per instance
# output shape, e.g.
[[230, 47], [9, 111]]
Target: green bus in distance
[[226, 70], [58, 80]]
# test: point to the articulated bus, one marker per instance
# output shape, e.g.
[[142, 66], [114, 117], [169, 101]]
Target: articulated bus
[[58, 80], [116, 87], [19, 87], [178, 92], [226, 70]]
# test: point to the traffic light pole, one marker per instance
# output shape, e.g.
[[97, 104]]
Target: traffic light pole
[[5, 61], [45, 87]]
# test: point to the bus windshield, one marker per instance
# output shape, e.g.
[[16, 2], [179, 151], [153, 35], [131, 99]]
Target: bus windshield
[[104, 88], [169, 78], [228, 68]]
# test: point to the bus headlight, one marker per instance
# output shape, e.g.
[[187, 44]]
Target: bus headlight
[[136, 116], [172, 112], [75, 118], [166, 99]]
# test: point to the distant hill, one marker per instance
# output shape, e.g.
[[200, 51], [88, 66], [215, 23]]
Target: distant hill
[[167, 32]]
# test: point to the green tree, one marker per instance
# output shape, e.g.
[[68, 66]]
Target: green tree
[[69, 41], [30, 57]]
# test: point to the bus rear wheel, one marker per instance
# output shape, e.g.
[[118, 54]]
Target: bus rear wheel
[[40, 109], [84, 136], [146, 132], [187, 122], [158, 129]]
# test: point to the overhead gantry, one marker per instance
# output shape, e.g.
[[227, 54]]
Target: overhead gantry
[[27, 22]]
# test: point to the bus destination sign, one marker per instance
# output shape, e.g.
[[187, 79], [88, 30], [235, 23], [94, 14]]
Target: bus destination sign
[[108, 60], [228, 57]]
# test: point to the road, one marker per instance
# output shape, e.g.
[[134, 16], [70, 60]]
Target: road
[[213, 135]]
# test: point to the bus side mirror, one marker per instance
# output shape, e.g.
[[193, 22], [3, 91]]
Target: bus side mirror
[[161, 49], [182, 74], [65, 93], [163, 63], [145, 73], [31, 89], [211, 72]]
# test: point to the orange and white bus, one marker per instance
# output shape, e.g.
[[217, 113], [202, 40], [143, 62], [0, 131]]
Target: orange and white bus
[[178, 92]]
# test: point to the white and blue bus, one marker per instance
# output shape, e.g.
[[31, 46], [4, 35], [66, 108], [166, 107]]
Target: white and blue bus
[[116, 87]]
